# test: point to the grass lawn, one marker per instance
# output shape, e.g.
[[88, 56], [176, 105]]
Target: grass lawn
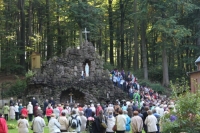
[[46, 129]]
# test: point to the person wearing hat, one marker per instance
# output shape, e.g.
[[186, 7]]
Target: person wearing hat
[[54, 125], [22, 124]]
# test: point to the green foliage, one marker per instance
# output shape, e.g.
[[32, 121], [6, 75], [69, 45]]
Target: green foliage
[[86, 15], [9, 64], [155, 86], [29, 74], [11, 126], [180, 86], [187, 111], [155, 73], [108, 66], [14, 89]]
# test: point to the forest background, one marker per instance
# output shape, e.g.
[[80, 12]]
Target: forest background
[[159, 40]]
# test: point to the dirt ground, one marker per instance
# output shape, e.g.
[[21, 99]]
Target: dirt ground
[[9, 78]]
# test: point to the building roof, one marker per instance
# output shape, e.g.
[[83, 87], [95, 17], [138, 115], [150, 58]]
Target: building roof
[[189, 73], [198, 60]]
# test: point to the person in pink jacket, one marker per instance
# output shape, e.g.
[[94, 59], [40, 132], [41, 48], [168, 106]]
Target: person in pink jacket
[[99, 108], [3, 125], [49, 111]]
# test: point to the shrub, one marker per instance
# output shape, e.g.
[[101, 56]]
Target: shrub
[[11, 126], [108, 66], [29, 74], [155, 86], [187, 112], [15, 89]]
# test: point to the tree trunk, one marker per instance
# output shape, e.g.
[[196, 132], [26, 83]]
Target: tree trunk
[[49, 36], [111, 31], [165, 67], [29, 41], [22, 41], [164, 59], [105, 49], [118, 45], [30, 23], [122, 33], [198, 28], [59, 38], [144, 50], [136, 47], [100, 43]]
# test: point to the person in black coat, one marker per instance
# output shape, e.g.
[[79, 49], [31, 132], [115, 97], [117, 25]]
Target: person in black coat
[[145, 114], [92, 124], [52, 102], [101, 118], [33, 102], [11, 101], [45, 106]]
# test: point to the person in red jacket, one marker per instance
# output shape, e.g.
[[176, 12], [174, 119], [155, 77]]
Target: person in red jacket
[[3, 125], [49, 111], [99, 108], [24, 112]]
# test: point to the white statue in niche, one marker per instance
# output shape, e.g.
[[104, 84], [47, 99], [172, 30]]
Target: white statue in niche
[[87, 70]]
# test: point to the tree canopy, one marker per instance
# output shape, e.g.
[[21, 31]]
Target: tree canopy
[[161, 38]]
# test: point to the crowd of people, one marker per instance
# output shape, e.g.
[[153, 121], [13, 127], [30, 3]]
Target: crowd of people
[[143, 112]]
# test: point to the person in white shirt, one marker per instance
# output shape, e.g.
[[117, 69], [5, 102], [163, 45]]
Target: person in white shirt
[[75, 108], [23, 125], [115, 80], [54, 125], [157, 108], [161, 110], [110, 121], [151, 122], [56, 111], [110, 108], [93, 108], [69, 110], [83, 121], [121, 122], [16, 108], [30, 111], [38, 124]]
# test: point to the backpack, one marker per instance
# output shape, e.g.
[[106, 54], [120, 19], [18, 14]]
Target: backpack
[[74, 122]]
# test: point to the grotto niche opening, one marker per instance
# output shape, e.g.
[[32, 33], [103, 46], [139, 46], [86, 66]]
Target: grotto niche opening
[[76, 96]]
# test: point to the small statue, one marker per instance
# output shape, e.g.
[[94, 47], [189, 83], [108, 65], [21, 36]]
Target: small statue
[[87, 70]]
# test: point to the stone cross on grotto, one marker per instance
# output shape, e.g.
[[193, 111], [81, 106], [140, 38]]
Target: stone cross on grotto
[[85, 31]]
